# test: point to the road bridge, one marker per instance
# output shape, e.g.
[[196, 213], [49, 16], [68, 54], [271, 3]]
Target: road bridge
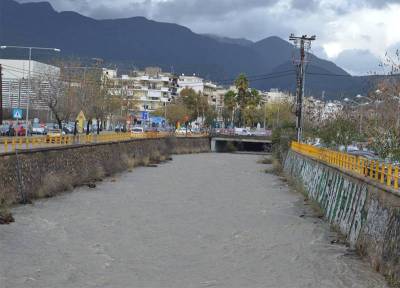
[[220, 142]]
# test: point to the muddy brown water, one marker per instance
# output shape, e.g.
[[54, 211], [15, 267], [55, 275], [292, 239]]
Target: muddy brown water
[[205, 220]]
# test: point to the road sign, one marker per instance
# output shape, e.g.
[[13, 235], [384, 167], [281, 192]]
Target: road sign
[[80, 121], [17, 113], [145, 115]]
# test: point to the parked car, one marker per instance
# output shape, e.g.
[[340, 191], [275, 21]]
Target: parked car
[[137, 130], [22, 130], [4, 130], [365, 154], [54, 132], [120, 128], [39, 129], [68, 128], [242, 131], [10, 131], [182, 131]]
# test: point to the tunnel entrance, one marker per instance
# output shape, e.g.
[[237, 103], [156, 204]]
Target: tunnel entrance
[[241, 146]]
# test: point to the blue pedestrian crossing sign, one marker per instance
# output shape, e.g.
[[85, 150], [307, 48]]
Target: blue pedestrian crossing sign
[[145, 115], [17, 113]]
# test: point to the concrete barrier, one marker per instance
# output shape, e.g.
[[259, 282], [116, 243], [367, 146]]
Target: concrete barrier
[[42, 172], [364, 211]]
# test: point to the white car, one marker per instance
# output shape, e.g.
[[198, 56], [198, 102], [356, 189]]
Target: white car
[[182, 131], [137, 130], [38, 129]]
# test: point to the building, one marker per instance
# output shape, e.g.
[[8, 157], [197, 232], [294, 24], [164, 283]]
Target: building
[[318, 111], [16, 87], [142, 91], [274, 95], [190, 82]]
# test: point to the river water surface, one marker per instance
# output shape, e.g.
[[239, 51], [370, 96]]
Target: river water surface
[[206, 220]]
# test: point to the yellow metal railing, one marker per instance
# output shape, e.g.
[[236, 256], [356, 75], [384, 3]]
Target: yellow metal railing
[[381, 172], [10, 144]]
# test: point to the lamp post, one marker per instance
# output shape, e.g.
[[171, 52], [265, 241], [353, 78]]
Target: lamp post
[[361, 114], [29, 73], [372, 101]]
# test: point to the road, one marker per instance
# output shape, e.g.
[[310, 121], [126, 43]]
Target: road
[[206, 220]]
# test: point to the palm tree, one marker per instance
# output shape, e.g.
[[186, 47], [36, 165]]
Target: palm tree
[[230, 103]]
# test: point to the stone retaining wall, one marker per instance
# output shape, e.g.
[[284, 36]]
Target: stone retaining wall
[[26, 175], [366, 212]]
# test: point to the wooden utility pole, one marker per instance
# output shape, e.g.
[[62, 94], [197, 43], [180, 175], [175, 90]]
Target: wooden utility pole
[[304, 44]]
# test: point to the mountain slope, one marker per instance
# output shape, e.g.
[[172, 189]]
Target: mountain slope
[[142, 42]]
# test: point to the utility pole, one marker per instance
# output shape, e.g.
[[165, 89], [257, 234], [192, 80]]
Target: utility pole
[[1, 95], [304, 44]]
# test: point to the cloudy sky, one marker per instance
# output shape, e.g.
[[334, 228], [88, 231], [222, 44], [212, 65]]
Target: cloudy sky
[[353, 33]]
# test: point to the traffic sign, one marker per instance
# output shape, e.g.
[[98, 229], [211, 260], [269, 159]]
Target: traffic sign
[[17, 113], [145, 115], [80, 119]]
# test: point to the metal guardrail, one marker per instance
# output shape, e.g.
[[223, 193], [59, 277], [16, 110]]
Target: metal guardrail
[[10, 144], [384, 173]]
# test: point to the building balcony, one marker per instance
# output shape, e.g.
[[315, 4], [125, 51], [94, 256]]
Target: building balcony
[[154, 93]]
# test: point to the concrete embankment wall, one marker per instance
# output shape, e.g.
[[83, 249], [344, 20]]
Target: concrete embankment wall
[[45, 172], [366, 212]]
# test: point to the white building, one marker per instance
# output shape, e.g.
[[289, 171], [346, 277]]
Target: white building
[[331, 110], [142, 90], [274, 95], [190, 82], [15, 83]]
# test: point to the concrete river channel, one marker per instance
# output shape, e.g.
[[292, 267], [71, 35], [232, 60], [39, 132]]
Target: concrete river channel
[[204, 220]]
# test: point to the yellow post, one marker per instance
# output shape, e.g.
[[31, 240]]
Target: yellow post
[[5, 145], [383, 173], [396, 177], [26, 142], [371, 170], [13, 144], [389, 175], [20, 143], [377, 170]]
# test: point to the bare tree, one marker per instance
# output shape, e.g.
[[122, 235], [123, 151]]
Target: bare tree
[[59, 95]]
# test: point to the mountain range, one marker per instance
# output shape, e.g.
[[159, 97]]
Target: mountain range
[[139, 42]]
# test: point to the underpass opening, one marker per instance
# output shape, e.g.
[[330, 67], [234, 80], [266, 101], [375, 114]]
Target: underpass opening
[[241, 146]]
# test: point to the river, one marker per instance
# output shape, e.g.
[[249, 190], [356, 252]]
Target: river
[[205, 220]]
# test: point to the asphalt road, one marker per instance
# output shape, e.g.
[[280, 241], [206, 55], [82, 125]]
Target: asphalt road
[[206, 220]]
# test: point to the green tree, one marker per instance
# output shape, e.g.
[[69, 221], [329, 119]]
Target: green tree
[[176, 112], [230, 105], [192, 102], [242, 86], [339, 131], [279, 114]]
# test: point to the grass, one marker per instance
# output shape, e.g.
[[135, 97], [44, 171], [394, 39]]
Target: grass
[[266, 160], [53, 184], [5, 213], [276, 168]]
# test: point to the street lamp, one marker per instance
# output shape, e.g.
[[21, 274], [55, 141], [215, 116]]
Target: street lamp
[[361, 114], [373, 101], [29, 73]]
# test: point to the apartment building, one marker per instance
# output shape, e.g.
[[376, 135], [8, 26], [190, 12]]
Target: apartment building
[[15, 86], [143, 91]]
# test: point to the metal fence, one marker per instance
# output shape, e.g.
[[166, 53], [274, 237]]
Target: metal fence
[[10, 144], [384, 173]]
